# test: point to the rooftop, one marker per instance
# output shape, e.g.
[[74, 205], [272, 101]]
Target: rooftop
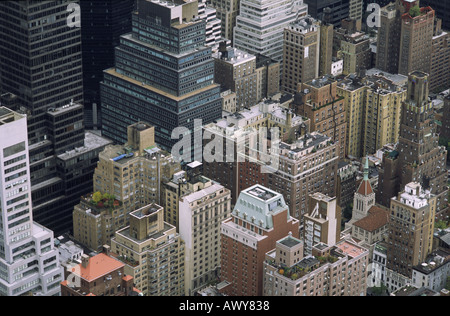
[[92, 141], [98, 266], [146, 211], [8, 116], [290, 241], [350, 249], [259, 204], [376, 218]]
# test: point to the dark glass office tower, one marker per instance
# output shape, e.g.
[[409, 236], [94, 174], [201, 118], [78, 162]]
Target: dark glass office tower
[[339, 10], [442, 9], [103, 21], [41, 65], [164, 74]]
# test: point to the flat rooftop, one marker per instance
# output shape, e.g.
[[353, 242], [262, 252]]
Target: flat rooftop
[[146, 211], [290, 241], [92, 141], [261, 193], [8, 116], [350, 250]]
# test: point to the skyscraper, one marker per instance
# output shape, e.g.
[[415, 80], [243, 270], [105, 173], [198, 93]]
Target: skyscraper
[[41, 64], [418, 157], [163, 75], [405, 37], [408, 246], [416, 41], [40, 59], [300, 53], [340, 10], [103, 23], [442, 9], [227, 11], [389, 38], [260, 25], [29, 263]]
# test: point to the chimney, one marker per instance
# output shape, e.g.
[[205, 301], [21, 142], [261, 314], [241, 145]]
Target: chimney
[[106, 249], [84, 260]]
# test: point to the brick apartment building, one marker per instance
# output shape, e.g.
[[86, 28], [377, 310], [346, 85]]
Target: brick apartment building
[[259, 219]]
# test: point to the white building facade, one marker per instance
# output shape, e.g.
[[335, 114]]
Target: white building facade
[[29, 262], [201, 214], [260, 25]]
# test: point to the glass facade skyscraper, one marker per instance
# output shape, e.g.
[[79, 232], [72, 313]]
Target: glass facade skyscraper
[[163, 75], [103, 22], [41, 64]]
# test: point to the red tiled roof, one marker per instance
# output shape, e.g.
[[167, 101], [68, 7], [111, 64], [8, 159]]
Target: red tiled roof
[[98, 266], [376, 217]]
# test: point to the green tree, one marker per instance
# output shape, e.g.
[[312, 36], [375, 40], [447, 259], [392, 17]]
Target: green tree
[[414, 11], [441, 224], [97, 197]]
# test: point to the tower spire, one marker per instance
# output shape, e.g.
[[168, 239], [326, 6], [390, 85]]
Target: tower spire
[[366, 170]]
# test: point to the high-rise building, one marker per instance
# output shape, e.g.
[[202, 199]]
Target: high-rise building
[[103, 23], [260, 218], [29, 262], [326, 48], [414, 207], [382, 113], [213, 25], [346, 185], [445, 129], [318, 100], [288, 272], [418, 157], [135, 172], [355, 52], [96, 219], [416, 41], [373, 103], [405, 37], [300, 173], [235, 70], [167, 83], [47, 73], [301, 52], [388, 40], [354, 94], [268, 77], [41, 64], [339, 10], [152, 252], [440, 59], [442, 9], [322, 222], [260, 25], [201, 212], [356, 10], [237, 171], [227, 11]]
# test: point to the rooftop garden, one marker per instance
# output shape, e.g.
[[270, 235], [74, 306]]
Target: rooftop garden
[[415, 11], [297, 271], [104, 201]]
